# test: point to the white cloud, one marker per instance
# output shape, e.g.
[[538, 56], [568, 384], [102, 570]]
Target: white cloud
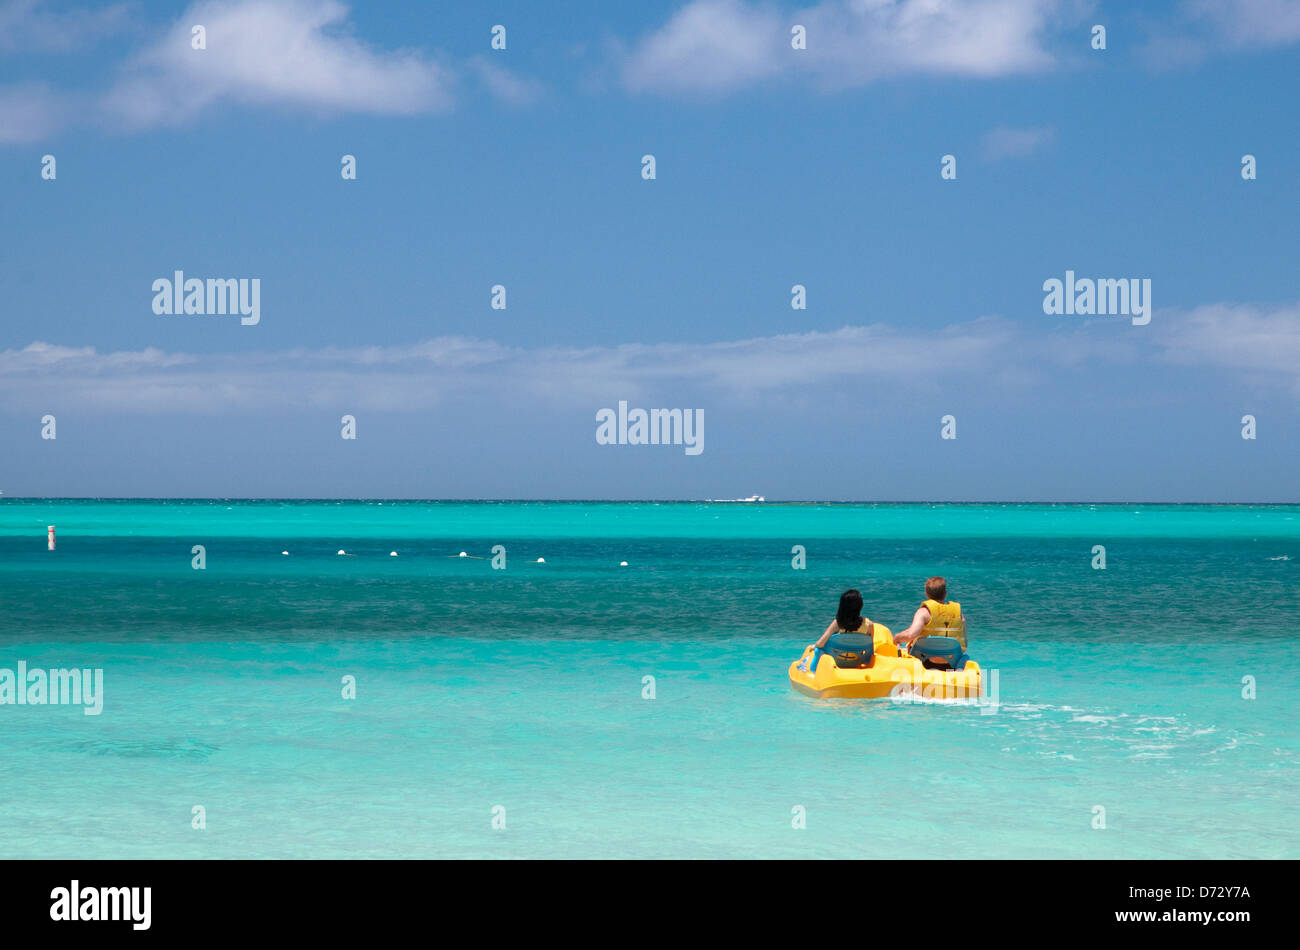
[[1201, 28], [29, 112], [1248, 339], [1250, 22], [505, 85], [721, 45], [993, 354], [38, 357], [291, 53], [711, 45], [31, 26], [1004, 142]]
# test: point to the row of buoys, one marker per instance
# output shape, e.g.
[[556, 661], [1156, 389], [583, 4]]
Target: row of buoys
[[49, 533], [465, 554]]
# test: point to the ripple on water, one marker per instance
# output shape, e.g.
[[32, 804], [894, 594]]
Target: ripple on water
[[143, 749], [1131, 737]]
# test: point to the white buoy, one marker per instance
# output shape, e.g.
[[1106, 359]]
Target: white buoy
[[284, 552], [341, 551], [622, 563], [541, 560], [49, 537], [392, 554], [462, 554]]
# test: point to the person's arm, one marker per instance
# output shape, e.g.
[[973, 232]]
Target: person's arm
[[919, 620], [827, 635]]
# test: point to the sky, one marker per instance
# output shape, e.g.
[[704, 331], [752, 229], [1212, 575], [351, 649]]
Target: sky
[[522, 168]]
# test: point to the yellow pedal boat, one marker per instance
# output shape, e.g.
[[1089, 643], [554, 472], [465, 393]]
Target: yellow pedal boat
[[862, 666]]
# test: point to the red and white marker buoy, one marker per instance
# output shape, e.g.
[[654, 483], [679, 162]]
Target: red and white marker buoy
[[49, 536]]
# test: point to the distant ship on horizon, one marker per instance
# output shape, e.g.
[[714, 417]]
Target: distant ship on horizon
[[751, 498]]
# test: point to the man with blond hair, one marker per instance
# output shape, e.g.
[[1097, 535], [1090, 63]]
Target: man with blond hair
[[936, 617]]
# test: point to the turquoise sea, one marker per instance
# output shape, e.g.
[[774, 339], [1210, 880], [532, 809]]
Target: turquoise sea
[[521, 692]]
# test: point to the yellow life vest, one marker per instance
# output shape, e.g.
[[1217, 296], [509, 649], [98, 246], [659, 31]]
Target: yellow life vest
[[945, 621]]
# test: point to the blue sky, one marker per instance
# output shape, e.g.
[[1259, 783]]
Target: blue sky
[[775, 167]]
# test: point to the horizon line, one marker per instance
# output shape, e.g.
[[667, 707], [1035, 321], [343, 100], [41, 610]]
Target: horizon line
[[632, 501]]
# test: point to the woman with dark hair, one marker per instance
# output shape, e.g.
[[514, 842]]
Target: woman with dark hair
[[848, 619]]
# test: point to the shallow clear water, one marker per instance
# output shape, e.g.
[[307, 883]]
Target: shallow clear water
[[1120, 688]]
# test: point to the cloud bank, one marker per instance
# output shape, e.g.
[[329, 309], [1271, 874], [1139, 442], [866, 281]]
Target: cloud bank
[[995, 354]]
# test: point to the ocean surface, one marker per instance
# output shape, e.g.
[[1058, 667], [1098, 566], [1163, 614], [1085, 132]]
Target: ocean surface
[[1148, 709]]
